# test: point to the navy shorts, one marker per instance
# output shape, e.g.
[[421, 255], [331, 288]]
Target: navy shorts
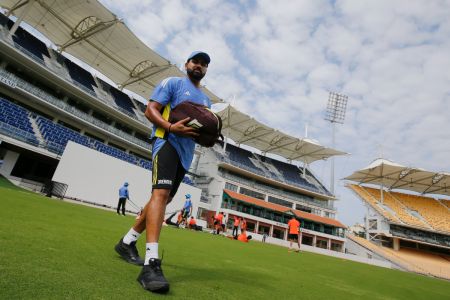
[[293, 236], [168, 172]]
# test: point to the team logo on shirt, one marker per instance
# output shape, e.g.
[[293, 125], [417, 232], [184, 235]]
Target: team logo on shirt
[[187, 93]]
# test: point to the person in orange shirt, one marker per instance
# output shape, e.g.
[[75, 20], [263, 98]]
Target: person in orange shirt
[[236, 223], [243, 225], [218, 222], [192, 223], [294, 231], [244, 238], [180, 218]]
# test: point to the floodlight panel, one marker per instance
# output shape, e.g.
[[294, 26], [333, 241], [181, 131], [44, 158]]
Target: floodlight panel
[[336, 108]]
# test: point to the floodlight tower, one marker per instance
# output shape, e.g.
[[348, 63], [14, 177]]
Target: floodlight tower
[[336, 107]]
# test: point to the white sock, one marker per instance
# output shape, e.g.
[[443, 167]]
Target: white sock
[[131, 236], [151, 251]]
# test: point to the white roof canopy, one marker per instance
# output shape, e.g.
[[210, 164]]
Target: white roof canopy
[[243, 129], [90, 32], [395, 176]]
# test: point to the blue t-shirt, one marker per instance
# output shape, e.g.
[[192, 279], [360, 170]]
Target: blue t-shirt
[[173, 91], [123, 192], [187, 205]]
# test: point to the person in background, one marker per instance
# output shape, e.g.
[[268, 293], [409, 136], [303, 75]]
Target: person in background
[[218, 219], [243, 237], [192, 223], [293, 227], [123, 196], [187, 208], [243, 225], [264, 237], [236, 223]]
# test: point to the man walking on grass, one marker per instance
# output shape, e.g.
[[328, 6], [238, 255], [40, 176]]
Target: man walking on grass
[[173, 151], [294, 229]]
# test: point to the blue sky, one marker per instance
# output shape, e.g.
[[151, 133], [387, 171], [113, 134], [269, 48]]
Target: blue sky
[[279, 60]]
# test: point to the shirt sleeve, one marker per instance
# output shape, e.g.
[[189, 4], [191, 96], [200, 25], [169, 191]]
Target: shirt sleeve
[[164, 91]]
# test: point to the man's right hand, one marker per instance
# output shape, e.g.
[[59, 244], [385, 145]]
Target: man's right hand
[[180, 128]]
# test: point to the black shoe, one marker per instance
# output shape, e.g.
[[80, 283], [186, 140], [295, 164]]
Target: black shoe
[[152, 278], [129, 253]]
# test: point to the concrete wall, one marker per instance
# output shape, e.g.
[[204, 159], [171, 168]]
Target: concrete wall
[[364, 255], [9, 161], [96, 177]]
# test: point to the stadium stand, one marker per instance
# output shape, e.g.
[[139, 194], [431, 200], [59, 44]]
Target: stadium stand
[[413, 260], [295, 197], [26, 42], [279, 213], [241, 158], [81, 76], [413, 210], [121, 100], [268, 167], [58, 134], [390, 215], [17, 117], [45, 96], [31, 44], [430, 209], [55, 135], [391, 208]]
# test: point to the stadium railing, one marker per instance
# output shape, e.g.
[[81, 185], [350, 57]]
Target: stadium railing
[[92, 93], [56, 137], [285, 194], [240, 157], [60, 104], [19, 134]]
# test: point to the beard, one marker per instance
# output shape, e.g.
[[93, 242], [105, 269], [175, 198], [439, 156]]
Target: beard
[[195, 74]]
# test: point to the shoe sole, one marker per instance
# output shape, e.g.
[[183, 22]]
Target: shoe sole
[[126, 258], [156, 287]]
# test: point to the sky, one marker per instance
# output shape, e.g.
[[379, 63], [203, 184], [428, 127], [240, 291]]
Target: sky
[[277, 61]]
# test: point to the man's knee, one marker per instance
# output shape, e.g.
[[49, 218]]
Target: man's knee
[[162, 195]]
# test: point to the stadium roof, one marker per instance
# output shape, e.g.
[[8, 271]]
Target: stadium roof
[[90, 32], [395, 176], [244, 129], [284, 209]]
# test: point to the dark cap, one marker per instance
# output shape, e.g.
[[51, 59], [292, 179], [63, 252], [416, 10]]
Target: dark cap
[[201, 54]]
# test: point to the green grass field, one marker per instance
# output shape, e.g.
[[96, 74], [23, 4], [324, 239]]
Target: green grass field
[[50, 249]]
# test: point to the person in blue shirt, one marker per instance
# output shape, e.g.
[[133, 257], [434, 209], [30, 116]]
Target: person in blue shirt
[[187, 208], [123, 196], [172, 152]]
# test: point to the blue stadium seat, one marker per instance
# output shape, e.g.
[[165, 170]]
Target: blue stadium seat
[[80, 75], [291, 174], [121, 99], [17, 117], [30, 43]]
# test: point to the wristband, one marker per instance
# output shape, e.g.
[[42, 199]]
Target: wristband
[[169, 128]]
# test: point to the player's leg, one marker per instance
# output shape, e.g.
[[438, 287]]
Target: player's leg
[[118, 206], [167, 178]]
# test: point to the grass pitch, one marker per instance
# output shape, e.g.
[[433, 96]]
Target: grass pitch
[[50, 249]]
